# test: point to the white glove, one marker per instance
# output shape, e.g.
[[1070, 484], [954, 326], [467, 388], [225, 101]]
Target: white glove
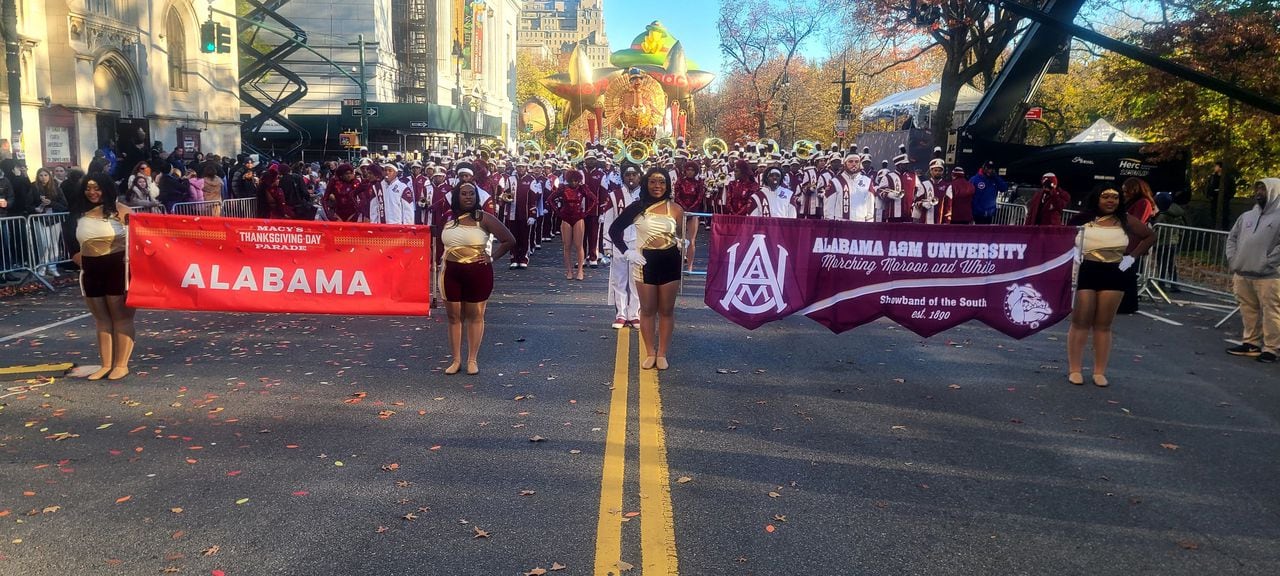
[[635, 257], [532, 220], [1126, 263], [684, 245], [895, 194]]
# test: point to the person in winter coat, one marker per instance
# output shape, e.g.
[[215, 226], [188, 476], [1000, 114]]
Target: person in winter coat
[[1253, 255], [960, 189], [141, 191], [271, 200], [342, 196], [1045, 208], [987, 188]]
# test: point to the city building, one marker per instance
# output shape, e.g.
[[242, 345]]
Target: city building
[[437, 73], [94, 72], [551, 28]]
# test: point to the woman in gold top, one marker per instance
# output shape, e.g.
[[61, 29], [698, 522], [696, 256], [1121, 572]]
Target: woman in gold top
[[1109, 231], [656, 258], [96, 237], [468, 271]]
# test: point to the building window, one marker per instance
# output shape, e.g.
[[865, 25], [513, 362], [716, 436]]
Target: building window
[[177, 38]]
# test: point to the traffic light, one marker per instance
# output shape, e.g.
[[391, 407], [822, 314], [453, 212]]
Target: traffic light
[[224, 39], [208, 37]]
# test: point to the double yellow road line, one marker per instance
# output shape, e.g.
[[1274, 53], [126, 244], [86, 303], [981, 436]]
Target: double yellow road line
[[657, 525]]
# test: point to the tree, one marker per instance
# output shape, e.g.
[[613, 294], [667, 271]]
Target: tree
[[754, 33], [973, 35], [1238, 45]]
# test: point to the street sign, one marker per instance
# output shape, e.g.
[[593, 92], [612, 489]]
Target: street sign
[[418, 124], [350, 101], [1035, 113], [370, 111]]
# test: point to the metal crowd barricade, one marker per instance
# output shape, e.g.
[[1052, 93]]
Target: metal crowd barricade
[[1190, 258], [210, 208], [1067, 215], [15, 249], [47, 247], [1008, 214], [240, 208], [157, 209]]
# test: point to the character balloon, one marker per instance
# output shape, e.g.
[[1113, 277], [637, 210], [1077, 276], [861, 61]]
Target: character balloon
[[679, 83], [581, 86]]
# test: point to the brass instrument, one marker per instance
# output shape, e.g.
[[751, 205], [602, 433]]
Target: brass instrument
[[771, 147], [804, 149], [573, 150], [638, 151], [664, 144], [714, 147], [533, 145], [617, 149]]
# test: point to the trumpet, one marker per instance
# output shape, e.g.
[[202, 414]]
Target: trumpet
[[573, 150], [714, 147], [664, 144], [617, 149], [638, 151], [804, 149], [506, 197]]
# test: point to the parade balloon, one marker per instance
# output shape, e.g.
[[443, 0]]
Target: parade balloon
[[581, 85], [677, 80]]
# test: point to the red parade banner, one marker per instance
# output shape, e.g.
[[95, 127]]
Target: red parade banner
[[250, 265], [926, 277]]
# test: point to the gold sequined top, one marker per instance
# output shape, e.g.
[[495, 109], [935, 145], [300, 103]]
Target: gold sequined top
[[464, 244], [1104, 243], [656, 230], [100, 236]]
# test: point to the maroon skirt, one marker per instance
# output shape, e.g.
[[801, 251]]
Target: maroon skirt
[[468, 282]]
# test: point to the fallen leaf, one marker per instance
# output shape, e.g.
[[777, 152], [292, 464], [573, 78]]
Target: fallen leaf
[[392, 467], [210, 551], [381, 529], [241, 501], [556, 566], [1188, 545], [123, 499], [177, 535], [536, 572], [899, 427], [774, 495], [624, 566], [176, 510], [684, 480], [479, 533], [1168, 446], [779, 518], [537, 439], [527, 492], [409, 516], [900, 380], [51, 509], [954, 386]]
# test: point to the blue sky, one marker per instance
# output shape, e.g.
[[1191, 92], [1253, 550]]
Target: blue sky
[[692, 22]]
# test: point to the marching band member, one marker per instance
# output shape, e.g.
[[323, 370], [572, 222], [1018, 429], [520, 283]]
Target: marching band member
[[570, 202], [656, 253], [419, 182], [740, 190], [849, 196], [467, 278], [960, 191], [521, 211], [689, 194], [932, 206], [394, 197], [622, 291], [773, 199], [342, 195], [594, 177], [1045, 208], [897, 190]]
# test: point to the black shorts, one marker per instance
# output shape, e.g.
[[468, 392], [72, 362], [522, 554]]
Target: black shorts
[[103, 275], [468, 282], [1102, 276], [661, 266]]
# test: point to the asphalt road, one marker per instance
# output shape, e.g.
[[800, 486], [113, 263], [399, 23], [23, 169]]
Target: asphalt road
[[256, 444]]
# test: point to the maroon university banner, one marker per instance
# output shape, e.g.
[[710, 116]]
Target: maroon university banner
[[928, 278]]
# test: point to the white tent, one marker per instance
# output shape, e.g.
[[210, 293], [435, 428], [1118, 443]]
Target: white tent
[[914, 100], [1103, 131]]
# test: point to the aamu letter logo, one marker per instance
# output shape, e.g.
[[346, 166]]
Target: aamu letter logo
[[756, 285], [1025, 306]]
